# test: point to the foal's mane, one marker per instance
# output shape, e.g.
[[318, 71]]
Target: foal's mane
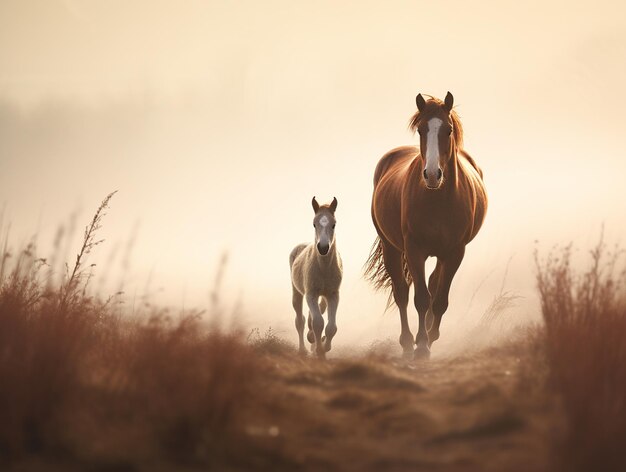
[[433, 107]]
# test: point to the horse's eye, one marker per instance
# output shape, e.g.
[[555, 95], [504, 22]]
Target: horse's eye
[[333, 226], [449, 131]]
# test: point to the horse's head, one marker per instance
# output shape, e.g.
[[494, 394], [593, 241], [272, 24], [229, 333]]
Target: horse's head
[[440, 135], [324, 223]]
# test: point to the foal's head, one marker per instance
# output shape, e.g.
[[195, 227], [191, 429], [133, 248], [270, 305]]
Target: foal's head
[[440, 133], [324, 223]]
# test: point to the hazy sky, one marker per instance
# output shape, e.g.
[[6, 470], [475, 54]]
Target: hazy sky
[[218, 121]]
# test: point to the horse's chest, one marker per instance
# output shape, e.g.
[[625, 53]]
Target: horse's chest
[[439, 231]]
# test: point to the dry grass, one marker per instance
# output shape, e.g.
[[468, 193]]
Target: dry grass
[[270, 343], [585, 317], [82, 388]]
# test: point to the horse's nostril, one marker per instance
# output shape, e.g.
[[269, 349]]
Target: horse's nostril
[[425, 175], [439, 174]]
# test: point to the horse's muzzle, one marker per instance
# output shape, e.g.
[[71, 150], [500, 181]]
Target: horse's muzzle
[[433, 179]]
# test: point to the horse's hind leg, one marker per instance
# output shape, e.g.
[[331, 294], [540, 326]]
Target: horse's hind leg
[[394, 265], [296, 300], [440, 298]]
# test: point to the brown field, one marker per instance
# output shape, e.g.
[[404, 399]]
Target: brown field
[[82, 388]]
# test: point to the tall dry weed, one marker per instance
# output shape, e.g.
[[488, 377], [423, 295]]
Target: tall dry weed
[[81, 385], [585, 322]]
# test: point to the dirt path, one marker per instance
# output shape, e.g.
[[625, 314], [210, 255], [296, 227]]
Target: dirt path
[[482, 411]]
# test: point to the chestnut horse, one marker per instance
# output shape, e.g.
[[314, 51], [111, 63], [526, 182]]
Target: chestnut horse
[[428, 202]]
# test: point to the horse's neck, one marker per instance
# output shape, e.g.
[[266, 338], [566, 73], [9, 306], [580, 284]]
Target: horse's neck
[[453, 169]]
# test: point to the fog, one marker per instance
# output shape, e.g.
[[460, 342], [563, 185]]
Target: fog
[[217, 123]]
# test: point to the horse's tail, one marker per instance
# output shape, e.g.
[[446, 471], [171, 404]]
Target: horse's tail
[[376, 273]]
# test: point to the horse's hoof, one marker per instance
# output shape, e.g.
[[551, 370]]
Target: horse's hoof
[[433, 335], [407, 354], [406, 341], [422, 353], [310, 336], [302, 352]]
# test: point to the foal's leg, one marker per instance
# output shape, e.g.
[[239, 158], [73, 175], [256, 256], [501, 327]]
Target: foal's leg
[[317, 322], [440, 300], [323, 305], [296, 300], [416, 260], [310, 335], [393, 260], [331, 327]]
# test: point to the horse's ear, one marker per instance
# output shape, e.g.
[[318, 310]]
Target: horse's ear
[[421, 103], [316, 206], [448, 102], [333, 205]]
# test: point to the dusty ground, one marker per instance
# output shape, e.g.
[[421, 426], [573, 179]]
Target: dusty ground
[[484, 410], [474, 409]]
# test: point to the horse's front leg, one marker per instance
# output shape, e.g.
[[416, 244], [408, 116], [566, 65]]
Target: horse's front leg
[[393, 260], [440, 297], [317, 322], [331, 327], [416, 260]]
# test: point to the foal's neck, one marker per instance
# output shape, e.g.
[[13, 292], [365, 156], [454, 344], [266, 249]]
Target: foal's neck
[[329, 258]]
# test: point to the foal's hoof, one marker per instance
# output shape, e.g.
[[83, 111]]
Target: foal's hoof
[[321, 355], [326, 343], [422, 353], [310, 336]]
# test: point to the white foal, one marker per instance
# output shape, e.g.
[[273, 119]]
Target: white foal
[[316, 273]]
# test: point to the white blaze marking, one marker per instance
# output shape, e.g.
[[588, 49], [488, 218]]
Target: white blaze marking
[[432, 146], [322, 235]]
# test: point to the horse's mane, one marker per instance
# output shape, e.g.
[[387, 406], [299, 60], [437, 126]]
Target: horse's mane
[[433, 106]]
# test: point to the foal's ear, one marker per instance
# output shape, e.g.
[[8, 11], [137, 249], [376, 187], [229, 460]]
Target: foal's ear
[[421, 103], [448, 102], [316, 206], [333, 205]]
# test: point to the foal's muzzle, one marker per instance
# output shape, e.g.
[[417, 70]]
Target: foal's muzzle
[[322, 249]]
